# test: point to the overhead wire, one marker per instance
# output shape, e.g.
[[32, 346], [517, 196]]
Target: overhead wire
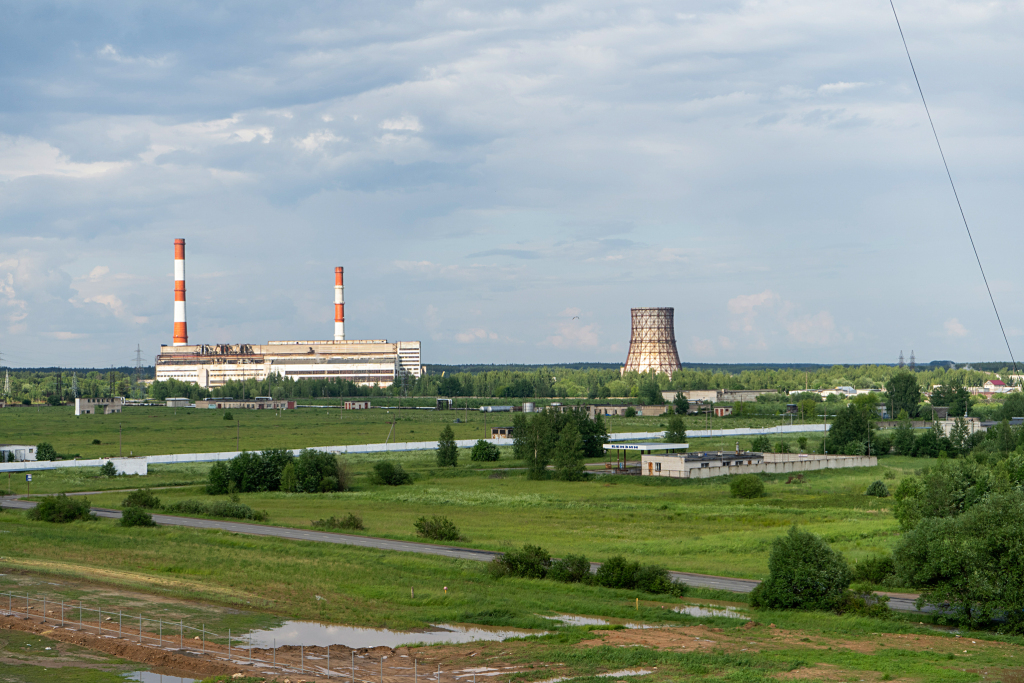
[[949, 175]]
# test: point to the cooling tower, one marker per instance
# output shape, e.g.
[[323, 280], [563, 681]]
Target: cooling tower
[[652, 344]]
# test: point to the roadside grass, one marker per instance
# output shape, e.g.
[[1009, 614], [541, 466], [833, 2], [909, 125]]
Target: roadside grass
[[30, 658], [681, 524]]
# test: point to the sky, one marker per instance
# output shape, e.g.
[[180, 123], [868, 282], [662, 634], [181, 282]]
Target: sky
[[503, 181]]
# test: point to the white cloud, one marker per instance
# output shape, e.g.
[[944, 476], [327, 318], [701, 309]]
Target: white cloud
[[817, 329], [317, 140], [407, 122], [954, 328], [838, 87], [475, 335], [573, 335], [22, 157], [98, 272], [746, 305]]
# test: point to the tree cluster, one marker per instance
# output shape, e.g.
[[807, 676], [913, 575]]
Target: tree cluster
[[565, 439], [274, 469]]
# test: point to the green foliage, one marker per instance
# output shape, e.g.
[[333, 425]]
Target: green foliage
[[648, 391], [852, 425], [903, 440], [252, 472], [904, 393], [484, 451], [437, 528], [218, 479], [136, 516], [570, 569], [618, 572], [447, 449], [971, 561], [1012, 407], [220, 508], [61, 508], [387, 473], [950, 488], [682, 406], [141, 498], [881, 444], [781, 447], [630, 412], [569, 455], [877, 570], [108, 469], [878, 489], [289, 482], [746, 486], [954, 395], [761, 444], [319, 472], [350, 522], [46, 451], [801, 442], [528, 562], [228, 415], [804, 573], [676, 432]]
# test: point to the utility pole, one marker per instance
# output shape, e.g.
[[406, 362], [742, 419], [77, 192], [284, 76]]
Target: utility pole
[[238, 434], [119, 440]]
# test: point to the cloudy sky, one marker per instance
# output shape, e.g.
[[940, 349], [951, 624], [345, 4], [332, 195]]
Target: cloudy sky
[[504, 180]]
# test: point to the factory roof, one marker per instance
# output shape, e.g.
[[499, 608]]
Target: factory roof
[[653, 446]]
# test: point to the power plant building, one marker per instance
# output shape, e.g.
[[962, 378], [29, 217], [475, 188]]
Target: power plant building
[[365, 362], [652, 341]]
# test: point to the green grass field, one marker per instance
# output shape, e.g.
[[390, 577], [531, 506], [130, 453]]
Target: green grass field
[[156, 431]]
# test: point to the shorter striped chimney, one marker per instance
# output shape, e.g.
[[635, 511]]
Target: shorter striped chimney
[[339, 304], [180, 327]]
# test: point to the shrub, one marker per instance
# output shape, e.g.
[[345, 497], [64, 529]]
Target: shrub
[[570, 569], [802, 443], [61, 509], [136, 516], [46, 451], [228, 416], [217, 482], [107, 469], [222, 508], [437, 528], [782, 447], [618, 572], [96, 442], [804, 573], [878, 489], [878, 569], [630, 412], [529, 562], [314, 471], [761, 444], [676, 432], [387, 473], [288, 481], [143, 498], [746, 486], [350, 521], [447, 449], [484, 452]]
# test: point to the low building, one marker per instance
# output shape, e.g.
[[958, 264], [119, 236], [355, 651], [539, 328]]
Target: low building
[[258, 403], [443, 404], [973, 425], [723, 411], [178, 402], [718, 395], [103, 406], [17, 453], [501, 432], [357, 405]]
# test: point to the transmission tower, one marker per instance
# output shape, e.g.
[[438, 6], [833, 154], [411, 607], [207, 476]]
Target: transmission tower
[[902, 363], [912, 363], [137, 377], [74, 385]]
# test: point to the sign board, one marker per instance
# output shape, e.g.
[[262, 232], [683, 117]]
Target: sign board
[[28, 477]]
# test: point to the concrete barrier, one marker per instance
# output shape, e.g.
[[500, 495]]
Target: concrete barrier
[[123, 465]]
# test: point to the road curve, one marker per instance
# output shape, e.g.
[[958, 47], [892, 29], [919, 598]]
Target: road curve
[[901, 603]]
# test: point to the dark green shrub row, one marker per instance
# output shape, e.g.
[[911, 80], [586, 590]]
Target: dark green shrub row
[[220, 508], [437, 528], [350, 521], [143, 498], [61, 508], [136, 516], [276, 469], [533, 562]]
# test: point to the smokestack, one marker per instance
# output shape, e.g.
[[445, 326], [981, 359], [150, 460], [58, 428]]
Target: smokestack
[[339, 304], [180, 328]]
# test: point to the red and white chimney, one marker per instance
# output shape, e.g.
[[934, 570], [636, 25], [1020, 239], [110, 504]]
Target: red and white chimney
[[339, 304], [180, 328]]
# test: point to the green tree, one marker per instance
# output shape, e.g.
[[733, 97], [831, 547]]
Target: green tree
[[289, 482], [1013, 406], [676, 432], [484, 451], [904, 393], [952, 394], [960, 436], [316, 471], [447, 449], [521, 445], [450, 386], [682, 406], [851, 425], [649, 392], [46, 451], [541, 436], [903, 440], [569, 455], [218, 479], [804, 573]]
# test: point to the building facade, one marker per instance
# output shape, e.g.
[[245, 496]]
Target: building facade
[[103, 406], [258, 403]]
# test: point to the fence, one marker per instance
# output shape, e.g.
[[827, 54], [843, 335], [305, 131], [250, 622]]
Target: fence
[[238, 650]]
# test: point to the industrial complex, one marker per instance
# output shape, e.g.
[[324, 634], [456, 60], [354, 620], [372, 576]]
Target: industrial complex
[[365, 362]]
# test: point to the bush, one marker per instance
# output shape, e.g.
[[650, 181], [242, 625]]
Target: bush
[[877, 570], [223, 508], [484, 452], [804, 573], [746, 486], [315, 469], [570, 569], [228, 416], [618, 572], [136, 516], [529, 562], [61, 509], [143, 498], [252, 471], [761, 444], [350, 521], [447, 449], [107, 469], [217, 482], [387, 473], [878, 489], [630, 412], [288, 481], [782, 447], [437, 528], [96, 442], [46, 451]]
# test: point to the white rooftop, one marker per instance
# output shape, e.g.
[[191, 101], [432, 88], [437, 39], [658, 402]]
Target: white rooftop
[[656, 446]]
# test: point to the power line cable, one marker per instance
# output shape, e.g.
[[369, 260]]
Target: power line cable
[[953, 185]]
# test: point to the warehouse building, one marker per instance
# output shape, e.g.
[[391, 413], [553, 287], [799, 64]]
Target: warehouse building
[[258, 403]]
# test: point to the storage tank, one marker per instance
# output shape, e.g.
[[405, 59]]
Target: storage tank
[[495, 409], [528, 408]]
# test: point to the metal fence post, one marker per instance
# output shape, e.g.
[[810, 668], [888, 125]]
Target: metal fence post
[[44, 609], [160, 633], [118, 623], [229, 644], [204, 639], [140, 629], [80, 627], [275, 651], [62, 611], [328, 661], [181, 633]]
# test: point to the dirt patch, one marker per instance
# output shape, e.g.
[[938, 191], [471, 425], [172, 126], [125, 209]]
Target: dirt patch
[[818, 672]]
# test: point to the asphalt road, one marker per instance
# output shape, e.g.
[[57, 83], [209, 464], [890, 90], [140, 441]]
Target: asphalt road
[[903, 603]]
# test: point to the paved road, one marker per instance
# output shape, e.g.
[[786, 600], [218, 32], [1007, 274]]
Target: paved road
[[901, 603]]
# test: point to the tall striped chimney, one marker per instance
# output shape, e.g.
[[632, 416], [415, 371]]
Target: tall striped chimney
[[339, 304], [180, 328]]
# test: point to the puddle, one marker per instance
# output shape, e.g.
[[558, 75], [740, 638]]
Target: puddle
[[625, 672], [157, 676], [576, 620], [696, 611], [314, 634]]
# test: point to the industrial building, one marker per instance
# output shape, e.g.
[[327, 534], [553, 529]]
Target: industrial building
[[652, 341], [258, 403], [103, 406], [16, 453], [364, 362]]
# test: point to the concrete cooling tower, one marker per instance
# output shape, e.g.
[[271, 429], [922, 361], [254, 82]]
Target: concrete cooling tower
[[652, 344]]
